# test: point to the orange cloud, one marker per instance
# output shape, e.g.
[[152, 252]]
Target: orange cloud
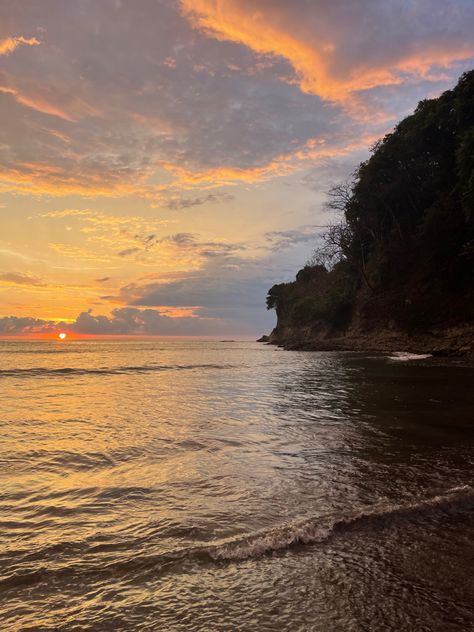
[[285, 164], [9, 44], [154, 124], [46, 103], [227, 175], [78, 253], [111, 238], [314, 53], [54, 180], [27, 280]]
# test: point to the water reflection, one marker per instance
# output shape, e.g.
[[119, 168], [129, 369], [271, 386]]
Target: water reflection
[[108, 475]]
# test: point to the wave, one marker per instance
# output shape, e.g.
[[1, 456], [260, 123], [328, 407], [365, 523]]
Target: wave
[[319, 528], [403, 356], [120, 370], [311, 530]]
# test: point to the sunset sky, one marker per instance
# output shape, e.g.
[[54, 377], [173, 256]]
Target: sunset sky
[[164, 162]]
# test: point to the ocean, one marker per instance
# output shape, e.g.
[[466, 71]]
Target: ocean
[[232, 486]]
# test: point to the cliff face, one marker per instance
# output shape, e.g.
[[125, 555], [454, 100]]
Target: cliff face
[[398, 269]]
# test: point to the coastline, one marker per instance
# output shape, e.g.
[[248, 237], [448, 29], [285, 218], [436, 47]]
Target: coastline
[[456, 341]]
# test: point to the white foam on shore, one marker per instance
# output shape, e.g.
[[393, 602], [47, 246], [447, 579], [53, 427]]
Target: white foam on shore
[[404, 356], [319, 528]]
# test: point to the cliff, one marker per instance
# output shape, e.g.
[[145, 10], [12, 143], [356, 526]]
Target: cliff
[[397, 268]]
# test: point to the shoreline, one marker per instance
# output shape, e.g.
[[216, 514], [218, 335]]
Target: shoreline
[[454, 342]]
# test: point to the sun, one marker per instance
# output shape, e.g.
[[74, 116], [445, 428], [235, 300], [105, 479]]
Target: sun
[[62, 336]]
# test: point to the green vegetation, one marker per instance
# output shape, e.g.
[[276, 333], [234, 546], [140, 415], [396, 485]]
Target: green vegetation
[[403, 250]]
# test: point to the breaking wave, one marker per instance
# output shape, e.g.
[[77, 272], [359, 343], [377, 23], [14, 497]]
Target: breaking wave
[[319, 528], [403, 356], [309, 530]]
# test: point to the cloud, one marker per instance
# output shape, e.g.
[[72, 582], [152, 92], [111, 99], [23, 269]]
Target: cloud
[[9, 44], [128, 251], [228, 287], [6, 252], [125, 124], [282, 239], [338, 47], [108, 238], [22, 279], [224, 293], [184, 248], [77, 252], [91, 114], [180, 203], [129, 321], [133, 321], [20, 326], [47, 104], [59, 180], [105, 235], [272, 98], [227, 292], [312, 151]]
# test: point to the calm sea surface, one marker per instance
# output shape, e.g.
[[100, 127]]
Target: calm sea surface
[[216, 486]]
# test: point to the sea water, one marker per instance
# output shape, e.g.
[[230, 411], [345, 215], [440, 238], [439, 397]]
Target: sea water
[[233, 486]]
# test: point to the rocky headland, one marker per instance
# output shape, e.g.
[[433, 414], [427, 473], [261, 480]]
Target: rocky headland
[[395, 269]]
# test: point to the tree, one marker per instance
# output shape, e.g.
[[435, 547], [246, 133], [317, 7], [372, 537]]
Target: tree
[[339, 242]]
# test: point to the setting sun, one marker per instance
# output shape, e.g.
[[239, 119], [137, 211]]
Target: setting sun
[[62, 336]]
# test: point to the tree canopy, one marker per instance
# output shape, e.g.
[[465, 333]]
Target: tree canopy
[[404, 239]]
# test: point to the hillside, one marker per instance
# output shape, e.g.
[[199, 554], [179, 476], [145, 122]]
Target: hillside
[[396, 269]]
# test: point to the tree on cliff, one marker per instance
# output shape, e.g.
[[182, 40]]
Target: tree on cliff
[[405, 228]]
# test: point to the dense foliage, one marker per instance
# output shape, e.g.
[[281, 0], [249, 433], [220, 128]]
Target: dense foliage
[[404, 249]]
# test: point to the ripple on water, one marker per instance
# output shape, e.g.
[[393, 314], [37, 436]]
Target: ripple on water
[[198, 486]]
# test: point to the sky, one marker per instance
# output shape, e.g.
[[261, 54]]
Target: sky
[[164, 162]]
